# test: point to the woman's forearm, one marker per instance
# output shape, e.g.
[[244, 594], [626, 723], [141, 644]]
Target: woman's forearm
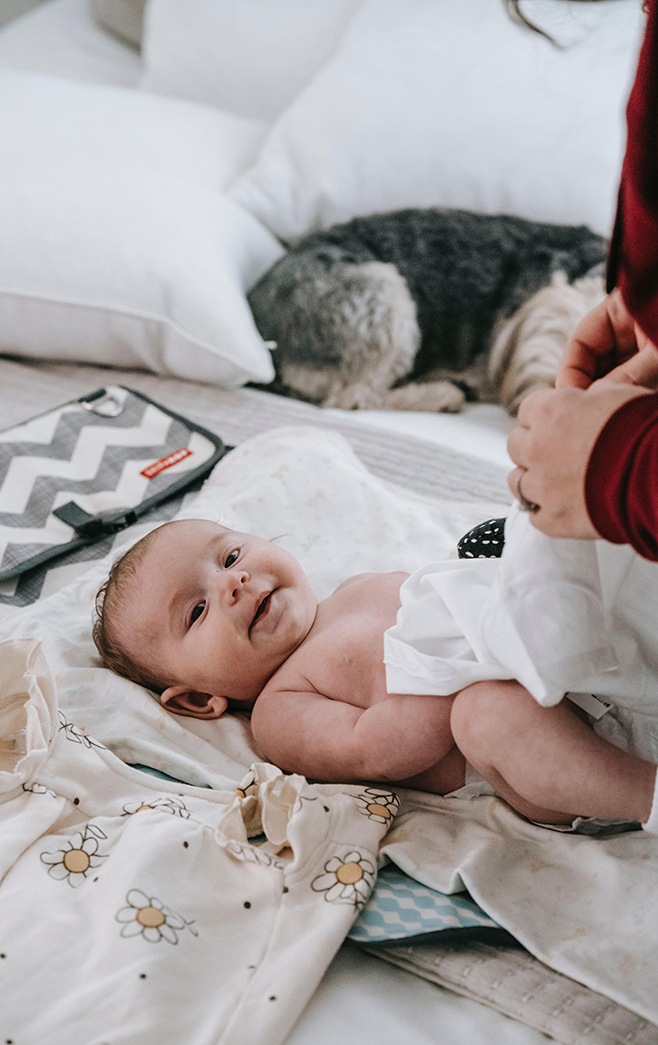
[[621, 484]]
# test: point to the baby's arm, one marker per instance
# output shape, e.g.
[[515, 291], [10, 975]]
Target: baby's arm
[[396, 738]]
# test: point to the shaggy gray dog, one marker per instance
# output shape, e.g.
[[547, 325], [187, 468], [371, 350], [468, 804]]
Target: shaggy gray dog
[[403, 310]]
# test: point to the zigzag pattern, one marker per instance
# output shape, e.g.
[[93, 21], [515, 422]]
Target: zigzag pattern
[[31, 494], [90, 460], [67, 432]]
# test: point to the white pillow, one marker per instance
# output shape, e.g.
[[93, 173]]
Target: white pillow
[[250, 57], [444, 103], [117, 245], [45, 119]]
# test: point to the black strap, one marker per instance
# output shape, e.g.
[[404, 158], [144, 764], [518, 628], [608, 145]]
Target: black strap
[[86, 525]]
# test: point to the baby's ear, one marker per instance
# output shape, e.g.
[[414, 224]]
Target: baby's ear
[[182, 701]]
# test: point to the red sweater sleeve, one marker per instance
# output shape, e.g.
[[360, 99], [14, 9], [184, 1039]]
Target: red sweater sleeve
[[633, 260], [621, 484]]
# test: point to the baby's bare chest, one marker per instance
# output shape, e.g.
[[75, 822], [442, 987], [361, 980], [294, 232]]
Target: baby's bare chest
[[343, 657]]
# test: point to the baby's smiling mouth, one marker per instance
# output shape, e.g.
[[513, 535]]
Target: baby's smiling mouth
[[261, 609]]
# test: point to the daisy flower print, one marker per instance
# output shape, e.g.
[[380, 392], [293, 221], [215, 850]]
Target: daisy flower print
[[78, 858], [148, 917], [347, 879]]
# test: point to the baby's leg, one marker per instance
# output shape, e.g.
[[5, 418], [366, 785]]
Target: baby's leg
[[546, 762], [441, 778]]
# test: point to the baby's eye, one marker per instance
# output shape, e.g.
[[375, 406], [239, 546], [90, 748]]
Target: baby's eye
[[232, 558], [197, 611]]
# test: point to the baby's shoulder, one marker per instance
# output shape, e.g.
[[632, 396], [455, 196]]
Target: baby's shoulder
[[363, 604], [372, 582]]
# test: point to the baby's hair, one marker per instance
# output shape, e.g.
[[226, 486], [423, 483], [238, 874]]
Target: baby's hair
[[108, 601]]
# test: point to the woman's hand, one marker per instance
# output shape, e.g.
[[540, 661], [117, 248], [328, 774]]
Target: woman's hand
[[608, 344], [552, 447], [608, 361]]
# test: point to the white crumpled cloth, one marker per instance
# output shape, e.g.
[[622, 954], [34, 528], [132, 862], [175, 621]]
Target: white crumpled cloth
[[560, 616]]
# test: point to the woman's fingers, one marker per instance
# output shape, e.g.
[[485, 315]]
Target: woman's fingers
[[641, 369], [605, 338], [551, 450]]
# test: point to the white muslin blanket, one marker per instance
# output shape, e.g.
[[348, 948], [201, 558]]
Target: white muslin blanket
[[557, 615]]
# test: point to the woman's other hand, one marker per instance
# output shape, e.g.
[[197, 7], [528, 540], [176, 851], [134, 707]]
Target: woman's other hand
[[608, 344]]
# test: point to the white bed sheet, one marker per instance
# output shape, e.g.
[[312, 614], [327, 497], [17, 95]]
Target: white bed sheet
[[361, 1000], [359, 1003], [481, 429]]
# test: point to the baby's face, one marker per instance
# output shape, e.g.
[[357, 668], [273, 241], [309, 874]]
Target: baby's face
[[215, 610]]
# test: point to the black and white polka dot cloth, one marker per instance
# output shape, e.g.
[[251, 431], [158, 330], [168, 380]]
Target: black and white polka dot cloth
[[484, 541]]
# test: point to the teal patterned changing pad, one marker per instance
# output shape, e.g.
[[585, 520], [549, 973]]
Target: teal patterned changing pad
[[400, 907]]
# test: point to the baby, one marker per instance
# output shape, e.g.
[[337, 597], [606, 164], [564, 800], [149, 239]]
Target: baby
[[207, 617]]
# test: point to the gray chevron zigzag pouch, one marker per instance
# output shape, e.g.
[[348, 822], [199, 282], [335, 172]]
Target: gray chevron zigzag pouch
[[90, 468]]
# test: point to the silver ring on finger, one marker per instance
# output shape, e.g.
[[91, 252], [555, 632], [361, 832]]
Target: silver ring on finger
[[524, 504]]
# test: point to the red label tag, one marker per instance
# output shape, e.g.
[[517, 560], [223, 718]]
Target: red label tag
[[154, 469]]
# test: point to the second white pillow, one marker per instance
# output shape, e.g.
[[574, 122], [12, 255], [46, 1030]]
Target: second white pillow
[[250, 57], [443, 103]]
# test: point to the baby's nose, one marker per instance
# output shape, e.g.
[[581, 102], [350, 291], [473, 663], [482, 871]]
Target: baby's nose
[[236, 582]]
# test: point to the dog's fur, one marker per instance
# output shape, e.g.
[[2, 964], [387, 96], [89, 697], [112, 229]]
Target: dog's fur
[[423, 309]]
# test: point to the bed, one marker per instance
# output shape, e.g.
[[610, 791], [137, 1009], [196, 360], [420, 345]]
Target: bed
[[460, 458]]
